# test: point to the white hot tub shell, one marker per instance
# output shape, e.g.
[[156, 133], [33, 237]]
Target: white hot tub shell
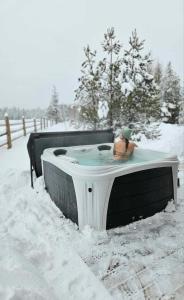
[[94, 186]]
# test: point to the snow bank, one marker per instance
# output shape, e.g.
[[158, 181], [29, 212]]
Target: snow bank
[[37, 261], [65, 126], [171, 140]]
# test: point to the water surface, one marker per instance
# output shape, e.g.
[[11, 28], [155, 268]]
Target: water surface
[[94, 157]]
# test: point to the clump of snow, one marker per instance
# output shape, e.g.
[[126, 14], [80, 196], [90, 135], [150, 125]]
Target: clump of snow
[[149, 76], [127, 87], [102, 109], [170, 207], [94, 236], [164, 110], [171, 105], [139, 78]]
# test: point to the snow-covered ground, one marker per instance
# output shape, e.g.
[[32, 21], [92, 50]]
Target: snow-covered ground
[[45, 256]]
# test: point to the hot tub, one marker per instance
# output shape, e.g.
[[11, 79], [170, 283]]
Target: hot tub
[[91, 188]]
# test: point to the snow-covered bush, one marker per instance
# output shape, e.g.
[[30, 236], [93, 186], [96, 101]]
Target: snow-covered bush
[[148, 130], [171, 96]]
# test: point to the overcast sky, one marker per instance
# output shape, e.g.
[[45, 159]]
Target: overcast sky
[[42, 41]]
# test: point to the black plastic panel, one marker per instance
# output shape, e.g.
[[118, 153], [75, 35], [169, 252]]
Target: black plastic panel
[[139, 195], [61, 190]]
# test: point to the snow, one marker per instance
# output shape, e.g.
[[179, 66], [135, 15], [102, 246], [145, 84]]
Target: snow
[[34, 249], [103, 109], [45, 256], [149, 76], [165, 111], [138, 78], [171, 105], [171, 140], [127, 87]]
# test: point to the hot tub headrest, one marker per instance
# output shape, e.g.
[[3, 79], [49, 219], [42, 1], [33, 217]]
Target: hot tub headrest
[[60, 152], [38, 142], [104, 147]]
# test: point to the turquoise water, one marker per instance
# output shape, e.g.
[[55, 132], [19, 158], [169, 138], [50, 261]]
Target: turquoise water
[[94, 157]]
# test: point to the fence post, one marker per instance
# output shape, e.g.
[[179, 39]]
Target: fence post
[[41, 123], [24, 125], [34, 120], [8, 132], [44, 123]]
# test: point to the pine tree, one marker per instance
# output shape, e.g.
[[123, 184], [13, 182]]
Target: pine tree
[[171, 96], [88, 93], [181, 113], [158, 77], [53, 111], [141, 100], [158, 73], [111, 69]]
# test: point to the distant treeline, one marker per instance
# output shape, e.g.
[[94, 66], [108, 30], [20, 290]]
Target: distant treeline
[[66, 112], [16, 113]]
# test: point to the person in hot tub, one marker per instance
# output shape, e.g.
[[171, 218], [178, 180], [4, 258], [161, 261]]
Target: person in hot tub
[[123, 147]]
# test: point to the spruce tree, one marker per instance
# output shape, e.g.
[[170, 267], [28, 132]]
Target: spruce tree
[[88, 93], [171, 96], [141, 94], [181, 113], [110, 67], [158, 77], [53, 111], [158, 73]]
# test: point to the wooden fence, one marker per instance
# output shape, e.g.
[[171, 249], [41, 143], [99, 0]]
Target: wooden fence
[[11, 130]]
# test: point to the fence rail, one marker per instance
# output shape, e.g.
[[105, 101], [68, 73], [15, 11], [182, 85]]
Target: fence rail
[[9, 129]]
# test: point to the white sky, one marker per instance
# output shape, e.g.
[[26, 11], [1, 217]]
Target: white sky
[[42, 41]]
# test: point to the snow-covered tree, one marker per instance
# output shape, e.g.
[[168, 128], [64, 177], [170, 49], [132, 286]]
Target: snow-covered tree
[[171, 96], [158, 73], [141, 94], [54, 111], [88, 93], [158, 77], [111, 69], [181, 113]]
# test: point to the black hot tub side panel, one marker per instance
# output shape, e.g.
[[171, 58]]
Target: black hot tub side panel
[[61, 190], [139, 195]]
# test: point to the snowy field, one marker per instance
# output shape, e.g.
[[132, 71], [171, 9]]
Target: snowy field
[[45, 256]]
